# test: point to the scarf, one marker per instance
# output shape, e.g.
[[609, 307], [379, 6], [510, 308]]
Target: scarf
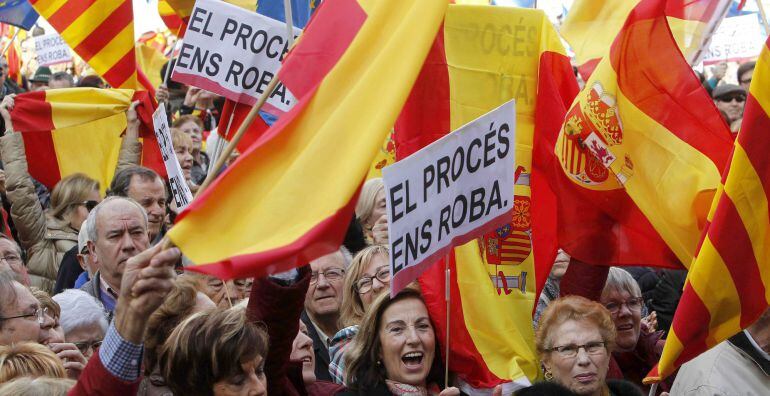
[[399, 389]]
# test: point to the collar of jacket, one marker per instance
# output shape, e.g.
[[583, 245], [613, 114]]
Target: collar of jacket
[[742, 342], [59, 229]]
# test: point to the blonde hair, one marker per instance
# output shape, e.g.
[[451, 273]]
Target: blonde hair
[[46, 301], [574, 308], [179, 138], [70, 191], [26, 386], [29, 359], [188, 118], [352, 309], [367, 200]]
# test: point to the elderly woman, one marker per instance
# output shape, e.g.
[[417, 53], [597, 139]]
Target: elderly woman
[[215, 353], [183, 148], [370, 211], [183, 301], [83, 320], [52, 335], [367, 277], [575, 339], [637, 349], [395, 350], [45, 235]]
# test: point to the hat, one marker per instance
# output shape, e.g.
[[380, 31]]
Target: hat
[[83, 236], [726, 89], [42, 74]]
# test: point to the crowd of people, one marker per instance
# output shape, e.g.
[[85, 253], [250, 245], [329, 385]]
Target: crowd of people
[[91, 303]]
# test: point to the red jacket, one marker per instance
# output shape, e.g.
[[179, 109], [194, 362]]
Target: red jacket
[[96, 380]]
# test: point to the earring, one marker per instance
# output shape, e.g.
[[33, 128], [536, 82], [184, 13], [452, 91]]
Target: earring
[[379, 362], [548, 375]]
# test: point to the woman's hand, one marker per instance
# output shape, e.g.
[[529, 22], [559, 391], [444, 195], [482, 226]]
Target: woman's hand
[[651, 321], [5, 110], [191, 97], [380, 231], [70, 355], [132, 117], [451, 391], [161, 94]]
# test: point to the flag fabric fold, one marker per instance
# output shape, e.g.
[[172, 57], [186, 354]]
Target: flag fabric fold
[[640, 153], [728, 286], [476, 64], [289, 198], [67, 131], [18, 13]]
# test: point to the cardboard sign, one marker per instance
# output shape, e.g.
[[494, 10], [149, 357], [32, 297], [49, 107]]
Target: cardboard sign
[[234, 53], [179, 188], [51, 49], [737, 38], [450, 192]]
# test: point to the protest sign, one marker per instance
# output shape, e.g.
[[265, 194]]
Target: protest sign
[[737, 38], [179, 188], [51, 49], [234, 53], [450, 192]]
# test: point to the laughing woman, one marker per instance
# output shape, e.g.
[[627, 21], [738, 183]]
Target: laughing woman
[[395, 350]]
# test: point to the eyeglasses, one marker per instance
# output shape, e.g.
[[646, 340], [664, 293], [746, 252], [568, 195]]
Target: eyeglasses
[[84, 346], [90, 204], [728, 99], [39, 314], [746, 81], [330, 274], [633, 304], [365, 283], [11, 258], [571, 350]]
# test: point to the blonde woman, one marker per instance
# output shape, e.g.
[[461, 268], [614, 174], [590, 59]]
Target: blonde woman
[[370, 211], [45, 235], [29, 359]]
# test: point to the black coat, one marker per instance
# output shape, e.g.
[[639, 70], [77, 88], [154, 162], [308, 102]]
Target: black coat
[[379, 390], [322, 359]]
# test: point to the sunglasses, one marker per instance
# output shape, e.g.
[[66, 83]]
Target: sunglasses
[[728, 99], [90, 204]]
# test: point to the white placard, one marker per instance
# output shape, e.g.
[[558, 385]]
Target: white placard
[[448, 193], [179, 188], [51, 49], [234, 53], [737, 38]]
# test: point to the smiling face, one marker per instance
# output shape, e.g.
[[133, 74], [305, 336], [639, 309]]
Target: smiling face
[[628, 321], [302, 351], [183, 152], [408, 342], [196, 134], [378, 264], [584, 373]]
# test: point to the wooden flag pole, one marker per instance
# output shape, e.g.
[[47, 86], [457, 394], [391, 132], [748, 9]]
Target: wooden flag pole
[[653, 389], [764, 16], [10, 43], [171, 58], [289, 22], [448, 316]]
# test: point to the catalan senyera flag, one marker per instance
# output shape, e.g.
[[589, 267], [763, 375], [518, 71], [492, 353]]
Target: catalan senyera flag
[[99, 31], [176, 13], [73, 130], [13, 55], [728, 286], [591, 26], [255, 218], [474, 66], [150, 61], [640, 153]]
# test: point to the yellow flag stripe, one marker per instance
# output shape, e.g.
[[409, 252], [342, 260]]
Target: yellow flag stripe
[[82, 27]]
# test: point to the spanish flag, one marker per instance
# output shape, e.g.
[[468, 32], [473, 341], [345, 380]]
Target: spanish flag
[[728, 285], [591, 26], [99, 31], [640, 153], [73, 130], [289, 198], [479, 61]]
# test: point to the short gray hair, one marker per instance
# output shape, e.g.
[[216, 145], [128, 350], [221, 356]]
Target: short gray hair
[[620, 280], [63, 76], [79, 309], [7, 290], [91, 220]]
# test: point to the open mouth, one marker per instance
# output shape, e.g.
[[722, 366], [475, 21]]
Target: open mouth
[[585, 378], [625, 327], [306, 359], [413, 359]]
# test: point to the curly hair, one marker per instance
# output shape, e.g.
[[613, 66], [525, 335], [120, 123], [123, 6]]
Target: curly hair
[[578, 309]]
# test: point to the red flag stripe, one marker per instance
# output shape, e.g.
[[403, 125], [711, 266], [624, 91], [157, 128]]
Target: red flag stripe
[[68, 13], [106, 31], [694, 331], [122, 70], [755, 144]]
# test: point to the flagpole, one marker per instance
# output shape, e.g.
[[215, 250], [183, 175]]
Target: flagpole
[[448, 316], [289, 22], [171, 58], [223, 137], [10, 43], [764, 16]]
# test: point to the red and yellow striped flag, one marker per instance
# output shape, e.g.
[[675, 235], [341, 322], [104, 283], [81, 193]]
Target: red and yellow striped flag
[[175, 22], [640, 152], [290, 197], [99, 31], [728, 286], [67, 131], [591, 26], [474, 66]]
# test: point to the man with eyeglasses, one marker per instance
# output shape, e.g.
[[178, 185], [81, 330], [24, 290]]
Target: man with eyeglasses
[[730, 99], [745, 73], [10, 259], [322, 307], [20, 312]]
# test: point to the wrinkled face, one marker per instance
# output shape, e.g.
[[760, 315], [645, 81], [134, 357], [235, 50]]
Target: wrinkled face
[[560, 265], [121, 234], [223, 293], [302, 351], [184, 156], [151, 194], [585, 372], [79, 212], [50, 330], [627, 319], [195, 132], [85, 337], [243, 287], [324, 296], [10, 259], [87, 262], [408, 342], [250, 382], [19, 329], [378, 265], [732, 105]]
